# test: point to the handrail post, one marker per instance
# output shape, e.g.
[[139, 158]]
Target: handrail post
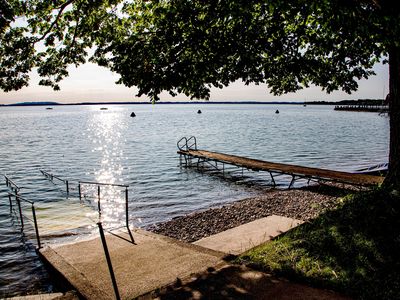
[[107, 254], [20, 210], [36, 226], [126, 208], [98, 194], [127, 215], [9, 198]]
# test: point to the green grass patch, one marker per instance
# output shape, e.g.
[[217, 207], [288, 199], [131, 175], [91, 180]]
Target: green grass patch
[[354, 249]]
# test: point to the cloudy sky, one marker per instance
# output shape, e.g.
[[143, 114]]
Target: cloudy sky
[[90, 83]]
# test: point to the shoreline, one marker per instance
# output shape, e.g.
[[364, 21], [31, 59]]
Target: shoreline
[[303, 204]]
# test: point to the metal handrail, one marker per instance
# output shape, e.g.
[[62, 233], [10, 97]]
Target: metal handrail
[[11, 184], [18, 199], [21, 198], [52, 176], [178, 144], [108, 259], [186, 146], [193, 144], [99, 199], [102, 183]]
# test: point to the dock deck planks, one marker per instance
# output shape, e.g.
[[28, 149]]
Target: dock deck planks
[[293, 170]]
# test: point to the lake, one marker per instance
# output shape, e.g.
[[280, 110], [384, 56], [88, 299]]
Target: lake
[[85, 143]]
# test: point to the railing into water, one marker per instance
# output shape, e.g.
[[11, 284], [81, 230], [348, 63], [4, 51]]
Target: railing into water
[[11, 184], [100, 225], [51, 177], [99, 185], [18, 200], [14, 194]]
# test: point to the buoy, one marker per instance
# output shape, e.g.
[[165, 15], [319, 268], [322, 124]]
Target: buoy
[[277, 111], [133, 114], [199, 111]]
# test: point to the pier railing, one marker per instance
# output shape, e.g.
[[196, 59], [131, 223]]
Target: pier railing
[[187, 143]]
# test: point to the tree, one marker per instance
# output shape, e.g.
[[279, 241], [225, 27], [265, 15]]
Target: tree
[[188, 46]]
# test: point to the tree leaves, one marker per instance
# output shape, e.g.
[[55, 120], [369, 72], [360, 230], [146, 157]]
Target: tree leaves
[[188, 47]]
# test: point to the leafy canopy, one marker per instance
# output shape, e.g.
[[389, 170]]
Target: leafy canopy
[[188, 46]]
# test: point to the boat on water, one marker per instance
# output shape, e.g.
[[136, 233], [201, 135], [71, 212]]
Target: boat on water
[[103, 108]]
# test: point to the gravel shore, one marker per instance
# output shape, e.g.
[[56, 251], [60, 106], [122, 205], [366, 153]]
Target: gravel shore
[[303, 204]]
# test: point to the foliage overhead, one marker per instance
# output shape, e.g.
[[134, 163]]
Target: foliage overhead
[[188, 46]]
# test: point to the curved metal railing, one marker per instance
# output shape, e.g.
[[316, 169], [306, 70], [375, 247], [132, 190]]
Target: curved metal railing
[[186, 144]]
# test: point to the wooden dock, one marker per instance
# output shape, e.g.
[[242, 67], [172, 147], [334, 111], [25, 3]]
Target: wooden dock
[[297, 172]]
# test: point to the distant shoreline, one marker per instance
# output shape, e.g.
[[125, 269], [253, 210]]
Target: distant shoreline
[[195, 102]]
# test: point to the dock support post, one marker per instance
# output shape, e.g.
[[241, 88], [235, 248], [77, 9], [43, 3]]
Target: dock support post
[[273, 179], [36, 226], [291, 182], [80, 192], [107, 254], [67, 186]]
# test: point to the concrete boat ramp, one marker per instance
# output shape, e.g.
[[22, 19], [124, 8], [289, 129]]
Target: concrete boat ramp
[[158, 266], [152, 262]]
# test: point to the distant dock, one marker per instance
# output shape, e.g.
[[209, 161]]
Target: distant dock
[[188, 149], [363, 108]]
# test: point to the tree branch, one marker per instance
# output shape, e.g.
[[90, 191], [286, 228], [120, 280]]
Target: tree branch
[[54, 23]]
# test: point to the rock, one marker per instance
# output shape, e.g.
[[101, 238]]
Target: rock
[[304, 204]]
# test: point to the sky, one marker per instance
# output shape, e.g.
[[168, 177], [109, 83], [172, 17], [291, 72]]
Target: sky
[[91, 83]]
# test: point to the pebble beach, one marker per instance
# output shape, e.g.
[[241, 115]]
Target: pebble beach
[[303, 204]]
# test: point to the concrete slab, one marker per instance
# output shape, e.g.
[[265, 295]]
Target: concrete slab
[[242, 238], [153, 262]]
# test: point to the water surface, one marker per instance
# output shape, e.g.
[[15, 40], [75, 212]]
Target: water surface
[[86, 143]]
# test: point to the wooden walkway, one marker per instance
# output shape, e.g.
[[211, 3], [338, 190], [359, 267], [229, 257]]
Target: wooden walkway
[[293, 170]]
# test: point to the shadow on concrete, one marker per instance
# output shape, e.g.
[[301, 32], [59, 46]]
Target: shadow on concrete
[[240, 282]]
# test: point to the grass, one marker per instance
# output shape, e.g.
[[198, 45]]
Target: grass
[[354, 249]]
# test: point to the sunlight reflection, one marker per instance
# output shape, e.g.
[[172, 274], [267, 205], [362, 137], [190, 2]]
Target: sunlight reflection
[[105, 134]]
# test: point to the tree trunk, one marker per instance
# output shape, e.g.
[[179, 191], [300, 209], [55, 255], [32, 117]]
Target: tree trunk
[[393, 177]]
